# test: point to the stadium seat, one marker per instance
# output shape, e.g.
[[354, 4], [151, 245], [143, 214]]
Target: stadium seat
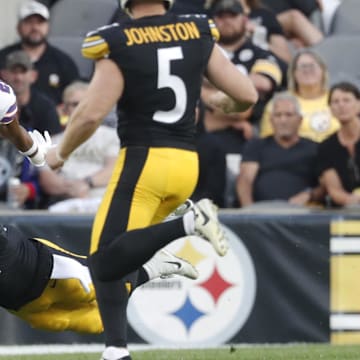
[[341, 54], [346, 18], [72, 46], [77, 17]]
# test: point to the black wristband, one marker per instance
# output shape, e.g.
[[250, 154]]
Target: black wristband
[[89, 181]]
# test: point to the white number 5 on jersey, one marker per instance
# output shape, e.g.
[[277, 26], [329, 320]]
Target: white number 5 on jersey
[[166, 79]]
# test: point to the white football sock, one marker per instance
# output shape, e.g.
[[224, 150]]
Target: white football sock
[[189, 223]]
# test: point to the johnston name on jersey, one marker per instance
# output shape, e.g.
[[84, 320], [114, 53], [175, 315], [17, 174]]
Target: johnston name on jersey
[[160, 58]]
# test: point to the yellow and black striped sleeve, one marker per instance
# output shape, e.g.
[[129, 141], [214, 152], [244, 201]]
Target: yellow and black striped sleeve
[[95, 47], [214, 30], [268, 68]]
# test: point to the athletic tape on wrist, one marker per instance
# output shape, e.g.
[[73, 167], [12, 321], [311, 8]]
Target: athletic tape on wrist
[[30, 152]]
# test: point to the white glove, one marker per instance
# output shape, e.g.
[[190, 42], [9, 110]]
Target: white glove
[[41, 145]]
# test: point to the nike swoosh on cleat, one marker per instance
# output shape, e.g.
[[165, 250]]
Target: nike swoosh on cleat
[[206, 218], [174, 263]]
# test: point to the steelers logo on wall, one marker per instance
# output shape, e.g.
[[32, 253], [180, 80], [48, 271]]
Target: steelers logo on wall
[[204, 312]]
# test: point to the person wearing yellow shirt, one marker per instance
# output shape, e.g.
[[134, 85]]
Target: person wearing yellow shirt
[[308, 81]]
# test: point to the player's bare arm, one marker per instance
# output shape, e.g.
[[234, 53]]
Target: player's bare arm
[[240, 93], [31, 144], [104, 90], [17, 135]]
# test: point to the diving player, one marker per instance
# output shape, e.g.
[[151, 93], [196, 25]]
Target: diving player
[[50, 287]]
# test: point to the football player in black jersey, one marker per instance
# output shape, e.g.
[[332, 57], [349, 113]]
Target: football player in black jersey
[[151, 65], [50, 287]]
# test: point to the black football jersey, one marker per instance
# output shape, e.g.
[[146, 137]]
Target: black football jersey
[[162, 59], [25, 268], [250, 58]]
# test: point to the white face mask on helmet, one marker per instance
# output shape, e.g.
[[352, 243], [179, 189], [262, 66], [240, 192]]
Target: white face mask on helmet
[[124, 4]]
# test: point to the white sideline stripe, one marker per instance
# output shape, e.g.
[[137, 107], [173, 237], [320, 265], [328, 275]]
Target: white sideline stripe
[[345, 244], [50, 349], [98, 348], [71, 349], [344, 322]]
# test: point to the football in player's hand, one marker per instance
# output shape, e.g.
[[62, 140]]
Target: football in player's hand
[[8, 106]]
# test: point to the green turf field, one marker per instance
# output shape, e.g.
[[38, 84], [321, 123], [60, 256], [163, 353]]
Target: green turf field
[[294, 352]]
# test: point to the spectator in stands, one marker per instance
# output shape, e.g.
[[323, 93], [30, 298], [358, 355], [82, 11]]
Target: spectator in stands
[[266, 30], [214, 119], [36, 111], [13, 164], [230, 132], [263, 67], [212, 169], [266, 71], [55, 68], [293, 15], [308, 81], [81, 182], [229, 141], [339, 155], [26, 194], [281, 166], [220, 150], [188, 7]]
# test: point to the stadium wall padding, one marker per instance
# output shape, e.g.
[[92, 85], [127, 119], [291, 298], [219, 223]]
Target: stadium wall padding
[[292, 261]]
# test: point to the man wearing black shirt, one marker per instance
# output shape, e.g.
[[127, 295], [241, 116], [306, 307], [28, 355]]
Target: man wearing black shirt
[[265, 69], [282, 166], [55, 69], [36, 110]]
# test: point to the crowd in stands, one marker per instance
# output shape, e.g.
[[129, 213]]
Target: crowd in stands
[[281, 166], [80, 184], [300, 144], [308, 80]]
